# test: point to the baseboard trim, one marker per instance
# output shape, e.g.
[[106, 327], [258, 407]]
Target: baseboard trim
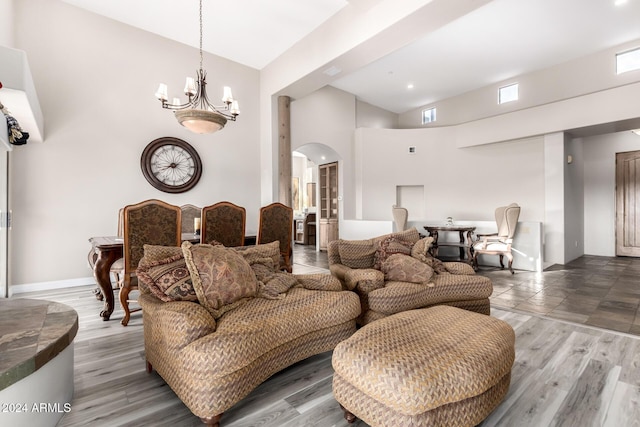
[[48, 286]]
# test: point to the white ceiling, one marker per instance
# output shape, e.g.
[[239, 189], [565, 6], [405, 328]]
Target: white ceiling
[[498, 41]]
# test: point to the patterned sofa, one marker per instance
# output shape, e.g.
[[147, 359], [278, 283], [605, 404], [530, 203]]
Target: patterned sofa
[[395, 272], [213, 351]]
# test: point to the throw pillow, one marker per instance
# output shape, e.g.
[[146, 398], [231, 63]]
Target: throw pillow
[[153, 253], [253, 253], [168, 279], [164, 272], [403, 268], [420, 251], [221, 277], [357, 253], [422, 246], [390, 246]]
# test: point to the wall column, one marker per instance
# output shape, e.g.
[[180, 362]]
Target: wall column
[[284, 150]]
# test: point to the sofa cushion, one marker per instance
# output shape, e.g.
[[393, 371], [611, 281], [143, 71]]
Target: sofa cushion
[[222, 278], [390, 246], [357, 253], [402, 296], [404, 268], [167, 278], [261, 326]]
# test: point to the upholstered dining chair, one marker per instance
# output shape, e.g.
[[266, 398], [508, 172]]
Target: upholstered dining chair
[[276, 223], [400, 216], [223, 222], [499, 243], [151, 222], [189, 212]]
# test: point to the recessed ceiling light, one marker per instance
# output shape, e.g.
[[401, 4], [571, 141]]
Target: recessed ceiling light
[[410, 86], [332, 71], [620, 2]]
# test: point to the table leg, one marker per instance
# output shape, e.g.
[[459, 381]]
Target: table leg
[[101, 270], [462, 248], [470, 246]]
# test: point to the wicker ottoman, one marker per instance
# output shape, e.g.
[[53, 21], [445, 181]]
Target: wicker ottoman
[[438, 366]]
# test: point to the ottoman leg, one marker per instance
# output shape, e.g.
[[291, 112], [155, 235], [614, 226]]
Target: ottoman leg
[[348, 415]]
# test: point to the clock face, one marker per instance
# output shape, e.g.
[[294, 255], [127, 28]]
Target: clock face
[[171, 165]]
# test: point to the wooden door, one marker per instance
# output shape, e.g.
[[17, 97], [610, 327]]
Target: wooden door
[[328, 178], [628, 204]]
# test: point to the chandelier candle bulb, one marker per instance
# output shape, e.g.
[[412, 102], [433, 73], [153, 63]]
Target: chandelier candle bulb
[[235, 109], [227, 97], [190, 87], [161, 93]]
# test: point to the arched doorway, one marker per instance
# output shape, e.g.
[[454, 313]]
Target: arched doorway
[[315, 186]]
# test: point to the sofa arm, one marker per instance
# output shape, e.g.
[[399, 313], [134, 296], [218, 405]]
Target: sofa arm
[[178, 323], [319, 282], [459, 268], [364, 280], [339, 270]]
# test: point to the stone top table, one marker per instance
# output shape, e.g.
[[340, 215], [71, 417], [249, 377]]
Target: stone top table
[[32, 333]]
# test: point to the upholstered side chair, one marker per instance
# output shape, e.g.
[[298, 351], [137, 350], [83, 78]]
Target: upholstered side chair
[[400, 216], [189, 212], [499, 243], [223, 222], [276, 223], [151, 222]]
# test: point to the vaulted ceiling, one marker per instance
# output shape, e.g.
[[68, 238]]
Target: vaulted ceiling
[[497, 41]]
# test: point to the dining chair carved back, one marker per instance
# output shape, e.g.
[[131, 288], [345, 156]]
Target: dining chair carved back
[[223, 222], [276, 223], [189, 213], [152, 222], [400, 216]]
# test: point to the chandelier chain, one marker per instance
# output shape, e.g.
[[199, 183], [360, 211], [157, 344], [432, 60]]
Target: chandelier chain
[[201, 34]]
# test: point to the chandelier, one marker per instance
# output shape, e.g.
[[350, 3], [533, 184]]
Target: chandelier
[[198, 114]]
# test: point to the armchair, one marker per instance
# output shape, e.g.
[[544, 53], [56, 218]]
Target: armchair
[[409, 277], [400, 216], [499, 243]]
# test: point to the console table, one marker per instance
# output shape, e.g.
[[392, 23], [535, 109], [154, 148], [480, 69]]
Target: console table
[[465, 243]]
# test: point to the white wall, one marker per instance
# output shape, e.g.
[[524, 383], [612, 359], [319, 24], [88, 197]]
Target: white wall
[[6, 23], [600, 189], [466, 184], [327, 117], [95, 79], [579, 77]]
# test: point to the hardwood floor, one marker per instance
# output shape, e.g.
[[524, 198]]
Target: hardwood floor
[[565, 374]]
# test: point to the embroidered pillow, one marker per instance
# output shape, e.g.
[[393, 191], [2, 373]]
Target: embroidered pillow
[[390, 246], [403, 268], [164, 272], [221, 277]]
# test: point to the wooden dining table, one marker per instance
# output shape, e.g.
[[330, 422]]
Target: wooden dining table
[[109, 249]]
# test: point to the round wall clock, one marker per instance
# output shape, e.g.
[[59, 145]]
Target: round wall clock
[[171, 165]]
